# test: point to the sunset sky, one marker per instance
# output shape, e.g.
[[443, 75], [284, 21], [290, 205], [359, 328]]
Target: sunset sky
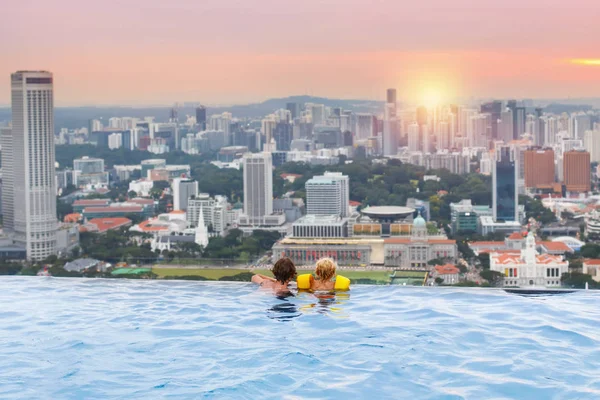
[[132, 52]]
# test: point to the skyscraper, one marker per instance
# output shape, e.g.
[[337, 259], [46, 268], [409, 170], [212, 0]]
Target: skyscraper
[[258, 187], [328, 194], [294, 109], [8, 210], [201, 117], [493, 108], [539, 168], [391, 96], [183, 190], [577, 172], [33, 175], [504, 185]]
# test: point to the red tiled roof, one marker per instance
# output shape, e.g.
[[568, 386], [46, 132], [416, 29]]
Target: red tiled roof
[[146, 226], [592, 261], [447, 269], [113, 209], [355, 203], [516, 236], [489, 243], [73, 217], [177, 212], [290, 176], [105, 224], [141, 201], [509, 259], [555, 246]]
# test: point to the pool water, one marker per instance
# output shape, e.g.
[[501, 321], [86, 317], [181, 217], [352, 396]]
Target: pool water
[[130, 339]]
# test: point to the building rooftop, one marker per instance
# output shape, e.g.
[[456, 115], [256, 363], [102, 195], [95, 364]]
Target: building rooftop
[[105, 224], [91, 202], [447, 269], [386, 212], [133, 209]]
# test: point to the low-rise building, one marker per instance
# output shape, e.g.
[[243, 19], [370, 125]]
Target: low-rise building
[[67, 237], [592, 267], [102, 225], [528, 268], [449, 273]]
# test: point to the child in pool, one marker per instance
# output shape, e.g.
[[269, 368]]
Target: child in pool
[[284, 271], [325, 274]]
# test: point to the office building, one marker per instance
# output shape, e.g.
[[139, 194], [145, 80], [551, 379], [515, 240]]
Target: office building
[[33, 162], [494, 109], [7, 179], [328, 194], [213, 210], [183, 190], [504, 185], [89, 172], [258, 187], [539, 169], [295, 109], [577, 171], [201, 117], [592, 144]]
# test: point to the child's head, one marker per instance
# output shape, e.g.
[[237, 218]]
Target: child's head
[[325, 269], [284, 270]]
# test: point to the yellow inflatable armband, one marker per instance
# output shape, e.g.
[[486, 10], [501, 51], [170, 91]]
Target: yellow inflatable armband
[[303, 281], [341, 283]]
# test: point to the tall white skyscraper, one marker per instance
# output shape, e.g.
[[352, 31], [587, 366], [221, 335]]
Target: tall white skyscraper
[[8, 208], [258, 186], [413, 137], [33, 173], [328, 194], [390, 130]]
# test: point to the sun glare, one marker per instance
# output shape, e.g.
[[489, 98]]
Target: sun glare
[[586, 61], [432, 97]]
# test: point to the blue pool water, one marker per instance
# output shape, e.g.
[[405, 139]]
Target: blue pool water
[[119, 339]]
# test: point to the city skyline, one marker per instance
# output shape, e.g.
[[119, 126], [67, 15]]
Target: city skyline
[[227, 53]]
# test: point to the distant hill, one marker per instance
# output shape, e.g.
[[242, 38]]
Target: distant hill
[[77, 117]]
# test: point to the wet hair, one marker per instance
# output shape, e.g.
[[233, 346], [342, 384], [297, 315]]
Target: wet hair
[[325, 269], [284, 270]]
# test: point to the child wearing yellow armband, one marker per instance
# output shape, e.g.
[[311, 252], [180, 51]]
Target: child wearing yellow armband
[[325, 272]]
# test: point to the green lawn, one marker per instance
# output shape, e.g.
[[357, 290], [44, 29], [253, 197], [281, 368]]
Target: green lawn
[[208, 273], [216, 273]]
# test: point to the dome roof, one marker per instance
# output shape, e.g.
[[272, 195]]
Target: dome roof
[[419, 222]]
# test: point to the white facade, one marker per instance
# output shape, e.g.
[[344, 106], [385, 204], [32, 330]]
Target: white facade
[[592, 144], [8, 209], [328, 194], [528, 268], [212, 210], [115, 141], [141, 187], [34, 194], [258, 187]]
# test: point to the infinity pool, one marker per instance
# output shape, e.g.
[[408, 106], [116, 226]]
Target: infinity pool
[[120, 339]]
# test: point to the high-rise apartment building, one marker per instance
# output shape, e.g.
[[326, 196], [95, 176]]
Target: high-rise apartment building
[[505, 200], [577, 171], [328, 194], [258, 186], [592, 144], [183, 190], [33, 163], [539, 169]]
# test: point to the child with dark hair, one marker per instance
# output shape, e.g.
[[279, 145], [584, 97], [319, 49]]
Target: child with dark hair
[[284, 271]]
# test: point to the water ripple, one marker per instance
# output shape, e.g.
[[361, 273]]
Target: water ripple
[[102, 339]]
